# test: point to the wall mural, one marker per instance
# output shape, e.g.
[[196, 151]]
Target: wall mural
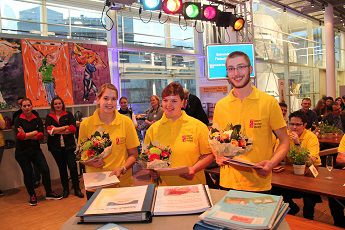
[[11, 72], [46, 71], [89, 69]]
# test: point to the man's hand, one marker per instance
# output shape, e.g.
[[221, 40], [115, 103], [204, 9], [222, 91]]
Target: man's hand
[[265, 169], [294, 136], [189, 175]]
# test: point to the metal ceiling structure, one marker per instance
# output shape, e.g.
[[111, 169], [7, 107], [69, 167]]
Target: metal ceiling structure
[[315, 9]]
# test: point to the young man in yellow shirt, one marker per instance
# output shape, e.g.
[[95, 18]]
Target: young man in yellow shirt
[[259, 115], [300, 136]]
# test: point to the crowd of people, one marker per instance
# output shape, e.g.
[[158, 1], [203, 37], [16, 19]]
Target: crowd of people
[[179, 121]]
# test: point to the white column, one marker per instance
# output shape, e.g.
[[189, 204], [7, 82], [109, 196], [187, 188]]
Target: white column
[[330, 57]]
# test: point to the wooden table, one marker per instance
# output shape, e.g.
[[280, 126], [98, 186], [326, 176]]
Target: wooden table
[[187, 221], [334, 140], [319, 185]]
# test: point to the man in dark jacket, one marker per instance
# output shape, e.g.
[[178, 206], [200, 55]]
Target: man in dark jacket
[[194, 108]]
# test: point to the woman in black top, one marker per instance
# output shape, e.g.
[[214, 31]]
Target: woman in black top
[[29, 130], [61, 126]]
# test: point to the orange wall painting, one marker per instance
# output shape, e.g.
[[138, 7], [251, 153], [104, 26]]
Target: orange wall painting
[[46, 71]]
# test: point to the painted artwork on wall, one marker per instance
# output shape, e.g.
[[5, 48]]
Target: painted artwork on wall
[[46, 71], [11, 72], [89, 69]]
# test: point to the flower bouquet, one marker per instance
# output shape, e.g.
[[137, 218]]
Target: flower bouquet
[[96, 146], [154, 156], [229, 142]]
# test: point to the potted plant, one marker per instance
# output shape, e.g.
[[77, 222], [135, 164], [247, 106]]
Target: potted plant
[[299, 157], [328, 131]]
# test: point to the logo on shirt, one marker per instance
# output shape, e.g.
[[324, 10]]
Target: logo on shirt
[[187, 138], [120, 140], [256, 124]]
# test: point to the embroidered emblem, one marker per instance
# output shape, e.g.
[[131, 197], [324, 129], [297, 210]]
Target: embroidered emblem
[[187, 138]]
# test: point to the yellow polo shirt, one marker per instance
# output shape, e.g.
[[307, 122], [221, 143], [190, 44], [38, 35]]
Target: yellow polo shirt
[[258, 114], [188, 139], [123, 136], [2, 140], [341, 148], [310, 141]]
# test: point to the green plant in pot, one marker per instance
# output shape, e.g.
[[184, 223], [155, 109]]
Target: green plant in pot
[[299, 157]]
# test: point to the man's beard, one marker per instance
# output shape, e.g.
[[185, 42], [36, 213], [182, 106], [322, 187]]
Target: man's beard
[[239, 86]]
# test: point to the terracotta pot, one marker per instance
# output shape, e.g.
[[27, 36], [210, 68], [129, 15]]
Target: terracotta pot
[[299, 169]]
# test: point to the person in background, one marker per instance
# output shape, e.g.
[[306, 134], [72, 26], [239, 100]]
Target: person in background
[[36, 172], [300, 136], [337, 205], [61, 126], [29, 130], [340, 102], [155, 112], [122, 132], [259, 115], [186, 136], [194, 108], [320, 109], [283, 107], [335, 118], [124, 110], [2, 142], [329, 102], [311, 115], [343, 99]]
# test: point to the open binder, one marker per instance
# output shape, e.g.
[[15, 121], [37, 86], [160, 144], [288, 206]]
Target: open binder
[[140, 203]]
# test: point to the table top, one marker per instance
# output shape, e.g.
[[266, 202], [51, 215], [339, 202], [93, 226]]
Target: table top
[[187, 221], [320, 185], [331, 140]]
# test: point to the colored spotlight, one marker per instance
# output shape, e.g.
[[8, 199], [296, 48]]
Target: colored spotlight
[[237, 23], [191, 10], [172, 6], [151, 4], [209, 13]]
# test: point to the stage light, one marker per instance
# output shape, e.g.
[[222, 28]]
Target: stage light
[[209, 13], [151, 4], [172, 6], [191, 10], [237, 23], [226, 19]]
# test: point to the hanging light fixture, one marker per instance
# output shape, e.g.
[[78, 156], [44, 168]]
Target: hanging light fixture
[[192, 10], [172, 6], [151, 4], [209, 13]]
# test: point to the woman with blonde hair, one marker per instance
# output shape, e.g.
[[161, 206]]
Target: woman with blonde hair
[[122, 132], [155, 112]]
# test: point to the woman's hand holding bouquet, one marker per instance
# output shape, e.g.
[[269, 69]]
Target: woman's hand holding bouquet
[[94, 149]]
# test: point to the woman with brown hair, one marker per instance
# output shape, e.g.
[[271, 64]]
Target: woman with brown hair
[[61, 126], [186, 136], [122, 132], [320, 109], [29, 130]]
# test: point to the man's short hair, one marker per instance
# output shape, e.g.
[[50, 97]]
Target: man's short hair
[[306, 99], [283, 104], [343, 96], [239, 54], [300, 115], [329, 98]]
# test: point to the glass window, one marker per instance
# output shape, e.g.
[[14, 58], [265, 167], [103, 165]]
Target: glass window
[[182, 38], [139, 91], [58, 21], [30, 13]]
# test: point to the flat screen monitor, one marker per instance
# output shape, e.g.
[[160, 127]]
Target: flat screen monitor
[[216, 56]]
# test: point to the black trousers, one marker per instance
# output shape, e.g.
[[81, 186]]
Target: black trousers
[[309, 200], [337, 211], [66, 158], [25, 160]]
